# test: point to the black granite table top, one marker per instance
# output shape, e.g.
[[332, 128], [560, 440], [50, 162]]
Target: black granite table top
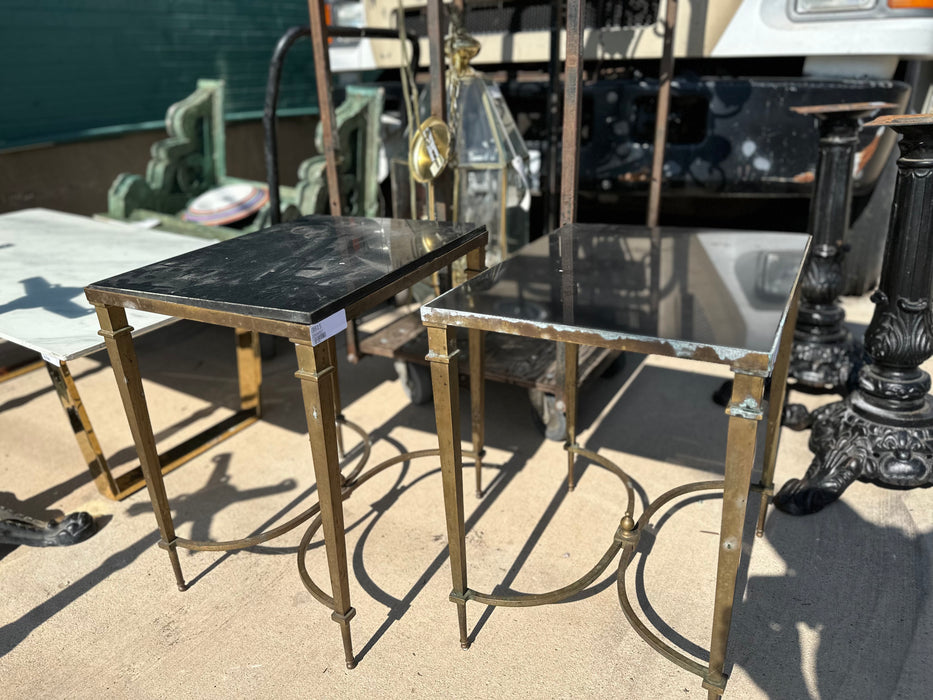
[[716, 295], [302, 271]]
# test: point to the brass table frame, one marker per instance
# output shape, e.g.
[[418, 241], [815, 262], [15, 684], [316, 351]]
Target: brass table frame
[[249, 372], [317, 373], [745, 410], [118, 487]]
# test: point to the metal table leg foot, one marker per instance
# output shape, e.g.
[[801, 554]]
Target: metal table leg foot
[[317, 371], [118, 338], [443, 356], [744, 414]]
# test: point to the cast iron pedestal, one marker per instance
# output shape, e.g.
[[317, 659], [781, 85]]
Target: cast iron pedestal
[[825, 357], [824, 353], [883, 430]]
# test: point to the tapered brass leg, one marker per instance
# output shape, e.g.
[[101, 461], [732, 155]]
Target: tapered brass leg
[[744, 413], [776, 398], [249, 370], [476, 263], [317, 372], [571, 364], [81, 425], [338, 406], [118, 338], [442, 354], [478, 400]]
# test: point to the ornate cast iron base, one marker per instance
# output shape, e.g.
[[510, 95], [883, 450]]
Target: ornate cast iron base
[[834, 366], [826, 364], [17, 529], [883, 430], [850, 444]]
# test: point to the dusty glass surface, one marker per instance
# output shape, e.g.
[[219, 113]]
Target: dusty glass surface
[[708, 294], [301, 271]]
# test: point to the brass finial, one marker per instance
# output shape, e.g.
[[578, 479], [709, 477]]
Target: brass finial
[[460, 46]]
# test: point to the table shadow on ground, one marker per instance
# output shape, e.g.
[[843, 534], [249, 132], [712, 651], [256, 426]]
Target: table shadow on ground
[[841, 620], [216, 490], [667, 415]]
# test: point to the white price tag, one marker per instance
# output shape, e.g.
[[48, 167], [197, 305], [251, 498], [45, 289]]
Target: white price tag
[[329, 327]]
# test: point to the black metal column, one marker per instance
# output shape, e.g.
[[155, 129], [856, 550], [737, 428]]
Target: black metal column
[[883, 431], [824, 354]]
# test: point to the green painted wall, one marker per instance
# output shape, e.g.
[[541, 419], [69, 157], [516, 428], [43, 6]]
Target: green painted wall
[[72, 69]]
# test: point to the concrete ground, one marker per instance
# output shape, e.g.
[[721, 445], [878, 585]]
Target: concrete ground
[[833, 605]]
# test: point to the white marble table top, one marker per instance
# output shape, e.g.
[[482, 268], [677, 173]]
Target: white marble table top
[[48, 257]]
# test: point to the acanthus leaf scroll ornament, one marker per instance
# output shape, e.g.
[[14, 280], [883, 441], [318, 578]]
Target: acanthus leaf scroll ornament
[[900, 335]]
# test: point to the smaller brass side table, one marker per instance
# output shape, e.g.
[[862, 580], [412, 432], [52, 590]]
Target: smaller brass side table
[[303, 281], [725, 297]]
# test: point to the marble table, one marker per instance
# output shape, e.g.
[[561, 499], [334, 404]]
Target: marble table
[[302, 280], [46, 259], [712, 296]]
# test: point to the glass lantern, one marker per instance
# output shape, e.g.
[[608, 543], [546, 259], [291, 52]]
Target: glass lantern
[[489, 158]]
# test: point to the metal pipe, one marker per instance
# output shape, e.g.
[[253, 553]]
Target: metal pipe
[[663, 109], [573, 79], [325, 102], [271, 147], [553, 117]]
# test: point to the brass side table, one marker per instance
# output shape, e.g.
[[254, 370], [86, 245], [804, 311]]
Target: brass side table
[[713, 296], [303, 281]]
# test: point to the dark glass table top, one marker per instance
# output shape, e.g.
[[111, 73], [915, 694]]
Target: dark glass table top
[[715, 295], [302, 271]]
